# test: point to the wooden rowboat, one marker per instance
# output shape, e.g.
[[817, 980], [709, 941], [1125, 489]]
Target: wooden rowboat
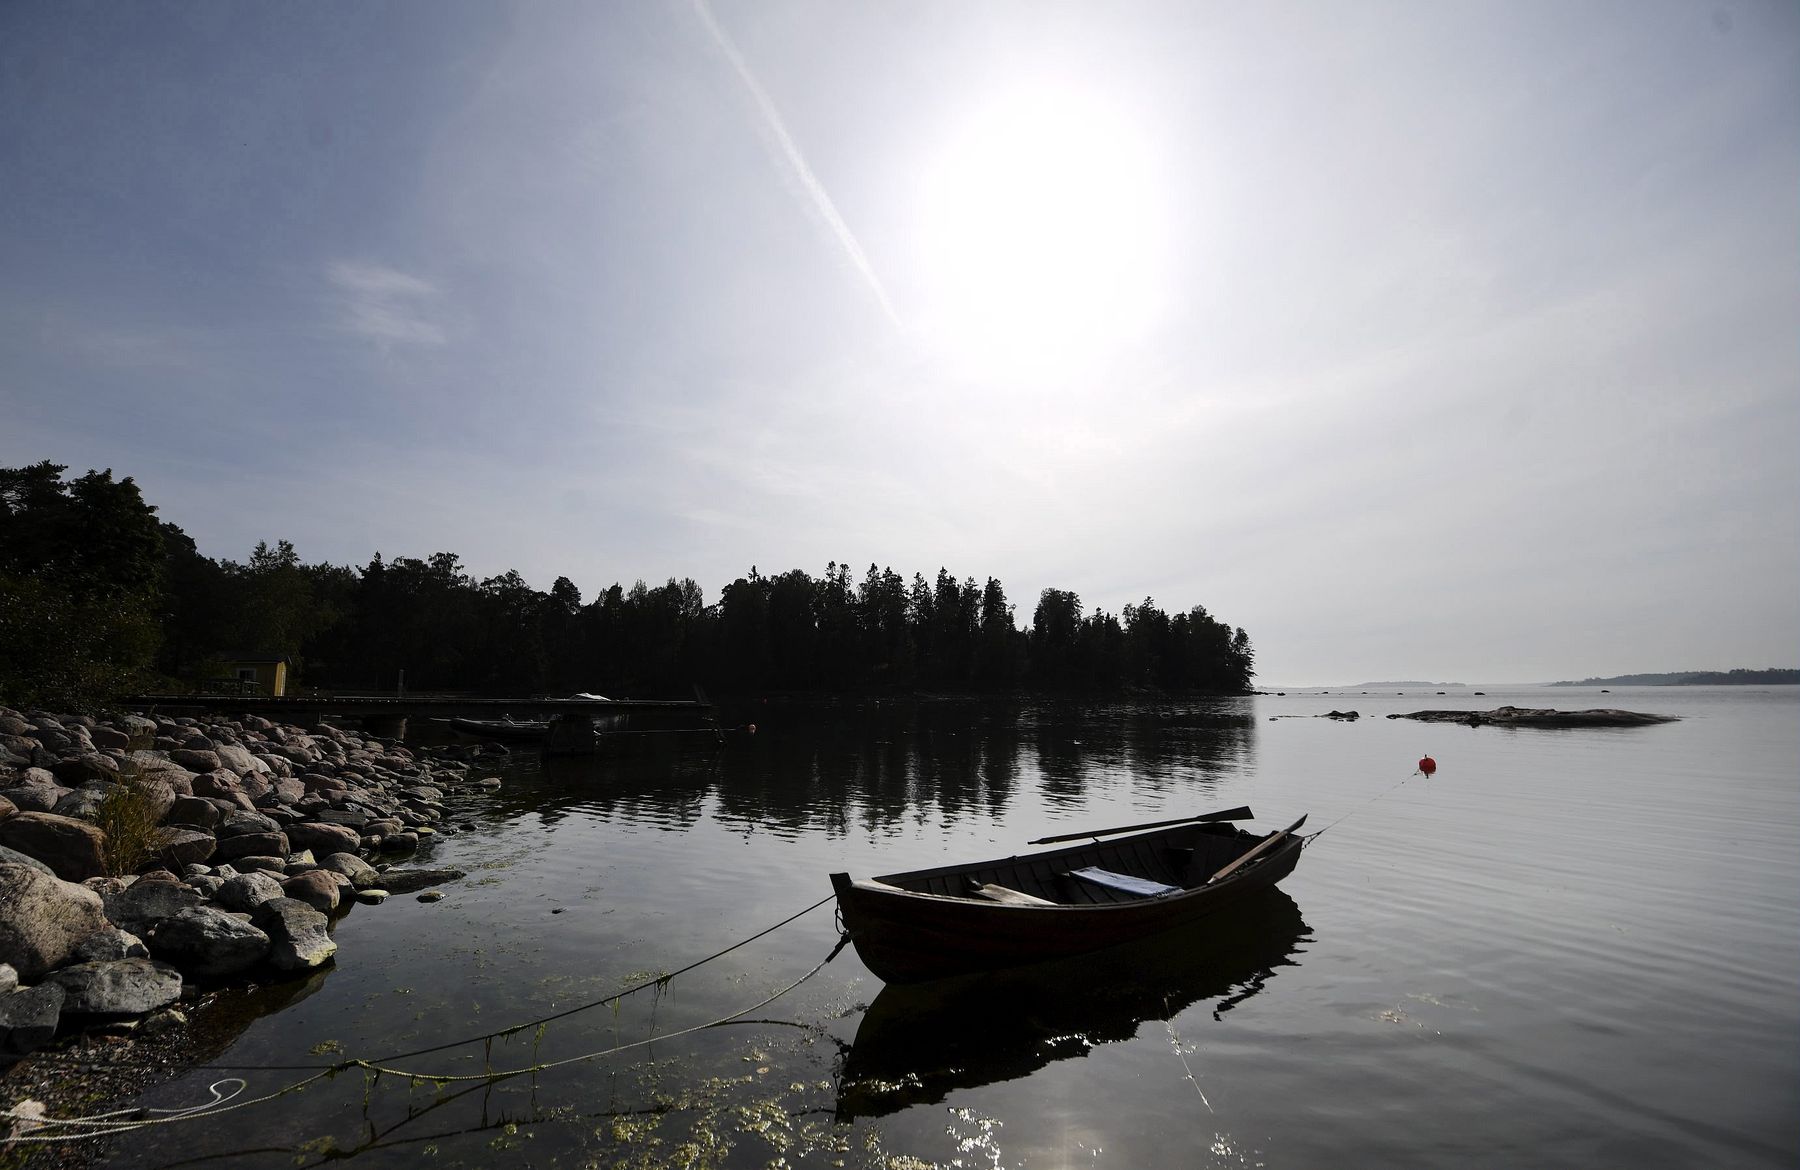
[[958, 919]]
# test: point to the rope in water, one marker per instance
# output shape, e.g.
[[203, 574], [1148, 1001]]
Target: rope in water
[[1309, 838], [225, 1102]]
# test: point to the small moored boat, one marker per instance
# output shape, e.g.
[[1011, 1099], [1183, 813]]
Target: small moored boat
[[958, 919], [505, 729]]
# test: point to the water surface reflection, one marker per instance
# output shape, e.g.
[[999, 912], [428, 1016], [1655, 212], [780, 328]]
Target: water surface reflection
[[917, 1043], [875, 765]]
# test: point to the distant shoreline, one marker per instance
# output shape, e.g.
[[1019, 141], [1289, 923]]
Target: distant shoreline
[[1695, 678]]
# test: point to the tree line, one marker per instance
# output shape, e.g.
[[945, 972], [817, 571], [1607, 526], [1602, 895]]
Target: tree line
[[98, 595]]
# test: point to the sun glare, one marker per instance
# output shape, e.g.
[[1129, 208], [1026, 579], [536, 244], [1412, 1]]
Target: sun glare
[[1042, 237]]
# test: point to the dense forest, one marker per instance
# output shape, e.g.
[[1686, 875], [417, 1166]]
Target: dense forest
[[97, 595]]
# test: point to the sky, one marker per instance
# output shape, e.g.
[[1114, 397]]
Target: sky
[[1456, 342]]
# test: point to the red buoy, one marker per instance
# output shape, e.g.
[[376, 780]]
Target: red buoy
[[1427, 765]]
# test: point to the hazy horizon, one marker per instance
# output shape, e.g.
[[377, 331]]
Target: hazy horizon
[[1460, 336]]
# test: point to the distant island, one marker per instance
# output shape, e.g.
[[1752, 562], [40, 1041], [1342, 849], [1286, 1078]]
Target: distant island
[[1773, 676]]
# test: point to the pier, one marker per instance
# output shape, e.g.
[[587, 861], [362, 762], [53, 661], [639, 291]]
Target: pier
[[575, 724]]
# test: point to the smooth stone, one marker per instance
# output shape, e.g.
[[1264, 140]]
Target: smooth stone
[[371, 896], [361, 874], [432, 896], [317, 888]]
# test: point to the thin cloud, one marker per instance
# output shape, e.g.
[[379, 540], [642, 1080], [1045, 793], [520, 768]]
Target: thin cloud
[[385, 304], [815, 190]]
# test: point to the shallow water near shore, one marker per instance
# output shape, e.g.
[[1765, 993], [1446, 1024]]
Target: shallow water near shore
[[1568, 948]]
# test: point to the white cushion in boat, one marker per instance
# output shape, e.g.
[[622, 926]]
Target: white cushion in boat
[[1124, 882]]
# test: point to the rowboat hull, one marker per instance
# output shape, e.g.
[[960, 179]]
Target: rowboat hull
[[925, 925]]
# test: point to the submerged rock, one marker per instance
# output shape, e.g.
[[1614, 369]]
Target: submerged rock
[[1540, 717], [406, 881]]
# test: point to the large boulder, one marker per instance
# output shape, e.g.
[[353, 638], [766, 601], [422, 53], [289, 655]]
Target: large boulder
[[140, 906], [180, 847], [157, 793], [318, 888], [246, 844], [85, 768], [193, 810], [28, 1018], [80, 804], [298, 938], [362, 875], [323, 838], [14, 857], [142, 730], [238, 759], [109, 943], [119, 987], [43, 919], [208, 942], [74, 849], [109, 738], [234, 824], [35, 797], [195, 760], [247, 891], [218, 782]]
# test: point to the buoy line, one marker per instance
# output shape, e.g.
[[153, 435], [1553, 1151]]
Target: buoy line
[[225, 1101]]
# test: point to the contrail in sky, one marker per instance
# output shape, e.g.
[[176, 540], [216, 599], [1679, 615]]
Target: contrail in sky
[[816, 190]]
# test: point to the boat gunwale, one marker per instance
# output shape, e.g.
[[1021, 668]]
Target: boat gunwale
[[883, 885]]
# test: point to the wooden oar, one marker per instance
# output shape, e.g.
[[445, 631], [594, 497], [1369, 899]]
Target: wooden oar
[[1260, 848], [1240, 813]]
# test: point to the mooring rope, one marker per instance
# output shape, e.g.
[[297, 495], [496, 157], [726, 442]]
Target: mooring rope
[[126, 1120], [1309, 838]]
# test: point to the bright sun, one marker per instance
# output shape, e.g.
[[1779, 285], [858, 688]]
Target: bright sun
[[1043, 237]]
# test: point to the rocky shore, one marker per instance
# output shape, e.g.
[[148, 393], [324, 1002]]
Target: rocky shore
[[1541, 717], [233, 845]]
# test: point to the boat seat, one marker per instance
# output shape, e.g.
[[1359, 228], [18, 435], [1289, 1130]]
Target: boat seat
[[996, 893], [1124, 882]]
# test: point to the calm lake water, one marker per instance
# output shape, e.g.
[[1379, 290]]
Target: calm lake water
[[1568, 948]]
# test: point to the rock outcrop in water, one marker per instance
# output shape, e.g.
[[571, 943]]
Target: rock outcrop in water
[[253, 836], [1540, 717]]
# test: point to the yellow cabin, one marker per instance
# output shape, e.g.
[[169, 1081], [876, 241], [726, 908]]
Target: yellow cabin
[[257, 676]]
